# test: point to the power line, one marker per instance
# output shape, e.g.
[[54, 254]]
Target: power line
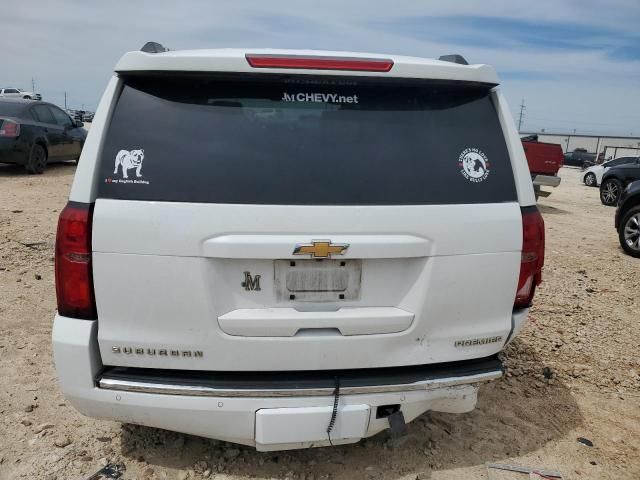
[[522, 108]]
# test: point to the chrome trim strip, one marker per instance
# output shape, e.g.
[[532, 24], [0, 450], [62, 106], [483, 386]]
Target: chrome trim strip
[[546, 180], [202, 391]]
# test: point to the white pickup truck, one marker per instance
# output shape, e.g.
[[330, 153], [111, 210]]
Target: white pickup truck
[[288, 249], [11, 92]]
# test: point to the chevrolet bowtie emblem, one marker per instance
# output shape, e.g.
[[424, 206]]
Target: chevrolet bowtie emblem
[[321, 249]]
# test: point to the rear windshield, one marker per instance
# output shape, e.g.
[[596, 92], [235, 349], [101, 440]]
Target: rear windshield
[[10, 109], [304, 141]]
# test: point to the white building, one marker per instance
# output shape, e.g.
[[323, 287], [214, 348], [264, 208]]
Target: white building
[[613, 147]]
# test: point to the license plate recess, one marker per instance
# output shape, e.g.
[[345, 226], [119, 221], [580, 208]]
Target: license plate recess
[[318, 280]]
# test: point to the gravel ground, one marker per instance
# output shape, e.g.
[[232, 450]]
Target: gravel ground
[[573, 372]]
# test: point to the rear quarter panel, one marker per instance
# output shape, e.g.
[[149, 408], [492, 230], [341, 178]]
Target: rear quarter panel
[[630, 199], [11, 151], [16, 150]]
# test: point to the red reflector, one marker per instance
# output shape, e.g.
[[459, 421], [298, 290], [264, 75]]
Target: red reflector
[[9, 128], [320, 63], [532, 259], [74, 275]]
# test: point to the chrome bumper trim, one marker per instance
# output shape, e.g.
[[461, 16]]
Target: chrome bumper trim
[[202, 391], [546, 180]]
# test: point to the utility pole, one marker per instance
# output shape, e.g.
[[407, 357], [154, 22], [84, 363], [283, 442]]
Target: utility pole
[[65, 100], [522, 109], [33, 85]]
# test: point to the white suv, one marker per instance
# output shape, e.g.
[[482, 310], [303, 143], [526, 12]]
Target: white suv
[[287, 248]]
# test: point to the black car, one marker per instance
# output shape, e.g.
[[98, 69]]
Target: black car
[[35, 133], [628, 219], [616, 179]]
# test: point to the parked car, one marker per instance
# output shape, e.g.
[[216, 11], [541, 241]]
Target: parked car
[[34, 133], [544, 160], [320, 249], [593, 175], [598, 161], [11, 92], [580, 158], [87, 117], [616, 179], [76, 114], [628, 219]]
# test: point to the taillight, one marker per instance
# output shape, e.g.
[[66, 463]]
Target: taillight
[[320, 63], [532, 259], [74, 276], [9, 128]]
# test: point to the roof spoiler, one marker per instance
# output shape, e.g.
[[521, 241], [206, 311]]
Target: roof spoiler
[[455, 58], [153, 47]]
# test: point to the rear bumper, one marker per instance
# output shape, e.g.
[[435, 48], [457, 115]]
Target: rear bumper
[[546, 180], [299, 384], [12, 151], [271, 411]]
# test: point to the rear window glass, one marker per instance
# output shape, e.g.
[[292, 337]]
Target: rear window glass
[[305, 141], [11, 109]]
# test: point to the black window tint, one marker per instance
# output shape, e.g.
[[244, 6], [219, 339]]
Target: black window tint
[[43, 114], [619, 161], [300, 140], [11, 90], [11, 109], [61, 118]]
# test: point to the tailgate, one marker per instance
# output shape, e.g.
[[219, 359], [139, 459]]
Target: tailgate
[[449, 278]]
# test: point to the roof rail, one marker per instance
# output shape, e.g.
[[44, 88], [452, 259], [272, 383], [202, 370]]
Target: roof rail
[[455, 58], [153, 47]]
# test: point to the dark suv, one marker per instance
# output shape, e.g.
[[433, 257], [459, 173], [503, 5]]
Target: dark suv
[[35, 133], [628, 219], [579, 158], [615, 180]]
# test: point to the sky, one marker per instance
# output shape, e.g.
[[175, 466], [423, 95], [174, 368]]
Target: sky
[[575, 63]]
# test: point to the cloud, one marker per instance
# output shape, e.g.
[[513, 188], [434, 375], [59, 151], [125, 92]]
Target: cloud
[[524, 35], [575, 60]]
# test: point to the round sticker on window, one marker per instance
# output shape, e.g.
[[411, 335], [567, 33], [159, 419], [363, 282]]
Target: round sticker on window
[[474, 165]]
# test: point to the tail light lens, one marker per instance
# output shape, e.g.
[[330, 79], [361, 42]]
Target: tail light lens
[[532, 256], [74, 275], [320, 63], [9, 128]]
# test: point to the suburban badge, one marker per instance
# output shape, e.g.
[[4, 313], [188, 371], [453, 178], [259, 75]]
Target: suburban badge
[[160, 352]]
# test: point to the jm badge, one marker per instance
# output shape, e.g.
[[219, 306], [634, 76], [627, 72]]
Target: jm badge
[[474, 165]]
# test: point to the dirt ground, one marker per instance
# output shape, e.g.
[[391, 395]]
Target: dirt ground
[[583, 333]]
